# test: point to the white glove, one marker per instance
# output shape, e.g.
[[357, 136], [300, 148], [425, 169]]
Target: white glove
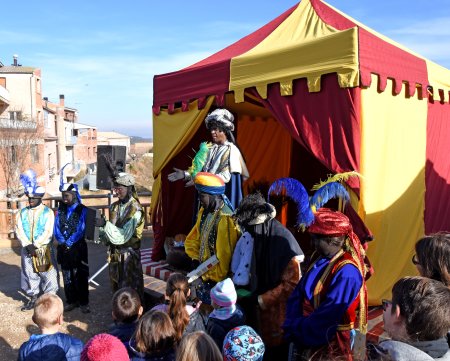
[[177, 175]]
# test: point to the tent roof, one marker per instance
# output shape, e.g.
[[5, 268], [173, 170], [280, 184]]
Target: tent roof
[[307, 41]]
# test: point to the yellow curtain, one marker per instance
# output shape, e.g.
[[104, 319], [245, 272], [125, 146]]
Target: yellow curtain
[[302, 46], [393, 153], [171, 133]]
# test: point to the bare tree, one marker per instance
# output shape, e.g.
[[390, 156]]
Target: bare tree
[[19, 147]]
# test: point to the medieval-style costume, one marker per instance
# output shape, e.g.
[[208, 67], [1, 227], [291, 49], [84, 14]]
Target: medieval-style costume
[[34, 229], [222, 157], [330, 302], [215, 232], [70, 224], [274, 268], [123, 234]]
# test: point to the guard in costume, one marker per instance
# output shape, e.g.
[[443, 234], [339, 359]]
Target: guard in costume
[[34, 229], [70, 224], [123, 234]]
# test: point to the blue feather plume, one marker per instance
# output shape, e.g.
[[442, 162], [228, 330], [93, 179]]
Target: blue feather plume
[[297, 192], [28, 180], [329, 191]]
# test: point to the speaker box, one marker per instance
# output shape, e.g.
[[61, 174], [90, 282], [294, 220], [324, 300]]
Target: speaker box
[[91, 231], [113, 155]]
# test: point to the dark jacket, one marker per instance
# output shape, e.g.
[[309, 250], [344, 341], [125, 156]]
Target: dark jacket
[[196, 322], [168, 355], [55, 347], [123, 331], [218, 329]]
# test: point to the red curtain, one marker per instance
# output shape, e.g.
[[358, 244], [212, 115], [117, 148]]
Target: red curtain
[[437, 170], [326, 123]]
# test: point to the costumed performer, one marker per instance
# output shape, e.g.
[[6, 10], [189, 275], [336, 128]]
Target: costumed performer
[[273, 270], [123, 234], [215, 232], [69, 230], [330, 301], [34, 229], [221, 157]]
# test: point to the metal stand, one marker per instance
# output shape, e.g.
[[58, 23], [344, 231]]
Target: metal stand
[[91, 280]]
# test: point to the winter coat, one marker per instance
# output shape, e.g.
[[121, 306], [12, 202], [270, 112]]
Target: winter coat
[[168, 355], [421, 351], [123, 331], [54, 347], [218, 329]]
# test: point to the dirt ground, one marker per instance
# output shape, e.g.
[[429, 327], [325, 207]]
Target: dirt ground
[[16, 326]]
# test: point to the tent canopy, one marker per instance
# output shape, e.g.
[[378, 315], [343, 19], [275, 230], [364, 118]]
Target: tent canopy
[[314, 92], [307, 41]]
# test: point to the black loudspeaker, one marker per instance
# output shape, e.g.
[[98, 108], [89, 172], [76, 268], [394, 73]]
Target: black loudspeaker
[[109, 156], [91, 231]]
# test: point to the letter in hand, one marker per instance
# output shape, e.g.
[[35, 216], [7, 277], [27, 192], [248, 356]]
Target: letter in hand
[[176, 175]]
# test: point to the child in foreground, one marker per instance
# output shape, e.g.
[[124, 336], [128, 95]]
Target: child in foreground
[[50, 344], [155, 338], [126, 310], [226, 314]]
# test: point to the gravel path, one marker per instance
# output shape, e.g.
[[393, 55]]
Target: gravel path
[[16, 326]]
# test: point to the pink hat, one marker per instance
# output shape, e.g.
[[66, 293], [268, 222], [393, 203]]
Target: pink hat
[[104, 347], [224, 293]]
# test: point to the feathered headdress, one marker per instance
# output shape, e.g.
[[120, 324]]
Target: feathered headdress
[[338, 177], [334, 221], [29, 182], [68, 187], [306, 205], [293, 189]]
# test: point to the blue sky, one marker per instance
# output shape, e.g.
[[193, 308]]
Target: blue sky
[[102, 55]]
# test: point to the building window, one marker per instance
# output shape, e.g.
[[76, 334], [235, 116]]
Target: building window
[[46, 122], [34, 154], [15, 115], [13, 154]]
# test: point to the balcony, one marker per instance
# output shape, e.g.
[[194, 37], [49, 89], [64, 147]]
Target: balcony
[[7, 123]]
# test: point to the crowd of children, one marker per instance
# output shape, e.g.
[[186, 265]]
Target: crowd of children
[[417, 319], [168, 332]]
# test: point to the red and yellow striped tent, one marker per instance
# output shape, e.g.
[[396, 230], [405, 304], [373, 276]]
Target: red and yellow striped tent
[[315, 92]]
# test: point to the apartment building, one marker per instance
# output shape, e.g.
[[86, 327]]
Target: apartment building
[[60, 138], [20, 124], [68, 141]]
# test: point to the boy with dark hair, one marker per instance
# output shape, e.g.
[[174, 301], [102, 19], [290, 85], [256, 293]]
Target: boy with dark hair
[[50, 344], [417, 319], [126, 310]]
